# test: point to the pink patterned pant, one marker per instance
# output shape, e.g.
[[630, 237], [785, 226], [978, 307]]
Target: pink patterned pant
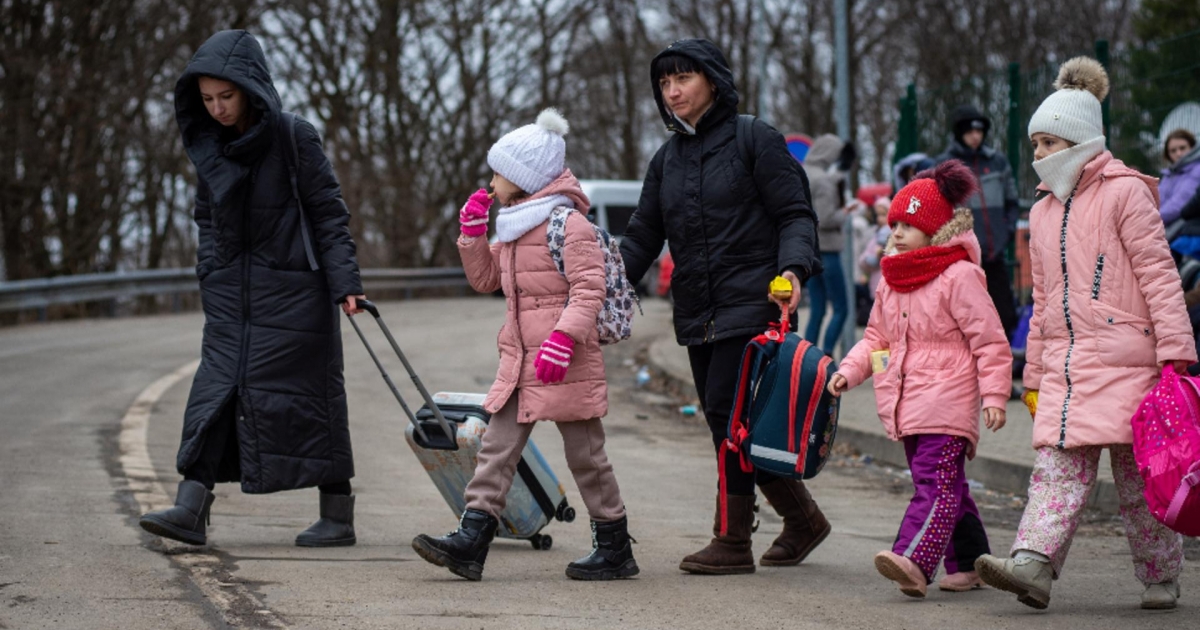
[[1059, 489]]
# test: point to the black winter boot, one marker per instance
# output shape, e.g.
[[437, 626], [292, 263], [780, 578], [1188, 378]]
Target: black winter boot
[[463, 550], [186, 520], [336, 526], [612, 554]]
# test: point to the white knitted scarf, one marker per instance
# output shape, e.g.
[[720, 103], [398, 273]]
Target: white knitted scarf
[[1060, 171], [513, 222]]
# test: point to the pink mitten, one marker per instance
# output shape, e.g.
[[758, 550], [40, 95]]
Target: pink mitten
[[554, 357], [474, 215]]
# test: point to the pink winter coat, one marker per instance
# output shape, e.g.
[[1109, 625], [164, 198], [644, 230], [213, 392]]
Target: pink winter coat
[[540, 301], [1122, 316], [949, 356]]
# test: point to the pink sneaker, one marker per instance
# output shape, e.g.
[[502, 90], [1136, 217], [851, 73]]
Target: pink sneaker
[[903, 572], [960, 582]]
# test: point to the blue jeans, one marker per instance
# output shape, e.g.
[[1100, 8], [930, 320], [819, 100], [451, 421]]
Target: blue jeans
[[829, 286]]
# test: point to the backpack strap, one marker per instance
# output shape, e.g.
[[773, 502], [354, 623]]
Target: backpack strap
[[745, 140], [293, 165], [1190, 481], [556, 236]]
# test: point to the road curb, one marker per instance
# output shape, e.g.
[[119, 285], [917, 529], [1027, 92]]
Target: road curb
[[994, 473]]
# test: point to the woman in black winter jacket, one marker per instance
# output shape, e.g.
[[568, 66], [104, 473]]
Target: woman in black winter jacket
[[731, 227], [268, 404]]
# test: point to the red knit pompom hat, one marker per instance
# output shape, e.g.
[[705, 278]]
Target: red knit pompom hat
[[928, 201]]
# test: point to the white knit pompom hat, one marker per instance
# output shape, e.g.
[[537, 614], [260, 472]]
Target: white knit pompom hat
[[532, 156], [1073, 112]]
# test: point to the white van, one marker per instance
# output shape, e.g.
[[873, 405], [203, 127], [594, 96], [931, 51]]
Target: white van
[[613, 202]]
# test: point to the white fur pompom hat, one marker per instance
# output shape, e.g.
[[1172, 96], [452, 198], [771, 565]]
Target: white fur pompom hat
[[1073, 112], [532, 156]]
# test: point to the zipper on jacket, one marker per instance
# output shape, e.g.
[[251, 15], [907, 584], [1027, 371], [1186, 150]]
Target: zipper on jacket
[[1097, 276], [1066, 303], [246, 244]]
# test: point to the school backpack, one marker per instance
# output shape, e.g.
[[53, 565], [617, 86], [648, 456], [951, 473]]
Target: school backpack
[[615, 320], [784, 419], [1166, 446]]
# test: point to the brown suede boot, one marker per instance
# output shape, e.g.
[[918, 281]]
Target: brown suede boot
[[728, 554], [804, 526]]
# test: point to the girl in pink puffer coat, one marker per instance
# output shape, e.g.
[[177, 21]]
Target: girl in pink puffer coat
[[1108, 312], [937, 353], [551, 366]]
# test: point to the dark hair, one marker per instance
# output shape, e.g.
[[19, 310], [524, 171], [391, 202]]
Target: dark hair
[[1178, 134], [673, 64]]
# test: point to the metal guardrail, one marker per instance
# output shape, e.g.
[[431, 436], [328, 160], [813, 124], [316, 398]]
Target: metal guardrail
[[42, 292]]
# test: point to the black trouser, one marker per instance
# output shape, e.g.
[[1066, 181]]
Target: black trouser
[[224, 429], [999, 286], [715, 371]]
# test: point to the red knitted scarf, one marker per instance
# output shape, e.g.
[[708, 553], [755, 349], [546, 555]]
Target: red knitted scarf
[[910, 271]]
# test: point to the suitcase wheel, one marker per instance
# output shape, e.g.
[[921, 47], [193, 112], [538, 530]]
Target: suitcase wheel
[[565, 513], [541, 542]]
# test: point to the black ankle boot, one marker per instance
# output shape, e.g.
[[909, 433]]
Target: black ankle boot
[[463, 550], [186, 520], [336, 526], [612, 554]]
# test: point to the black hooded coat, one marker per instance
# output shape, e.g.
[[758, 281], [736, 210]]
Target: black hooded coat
[[272, 350], [730, 228]]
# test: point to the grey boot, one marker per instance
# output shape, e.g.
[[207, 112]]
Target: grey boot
[[1028, 578], [185, 521], [1161, 596], [336, 526]]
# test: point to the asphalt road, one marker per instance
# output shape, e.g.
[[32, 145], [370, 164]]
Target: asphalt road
[[71, 555]]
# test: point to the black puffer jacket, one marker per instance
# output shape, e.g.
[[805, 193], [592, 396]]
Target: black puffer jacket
[[730, 230], [272, 343]]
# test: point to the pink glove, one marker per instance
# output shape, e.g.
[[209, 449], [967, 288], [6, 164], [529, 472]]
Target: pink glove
[[474, 215], [554, 357]]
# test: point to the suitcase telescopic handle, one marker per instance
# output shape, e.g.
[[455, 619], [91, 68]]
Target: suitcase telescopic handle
[[370, 307]]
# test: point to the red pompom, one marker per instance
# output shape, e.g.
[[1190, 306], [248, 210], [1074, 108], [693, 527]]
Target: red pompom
[[954, 180]]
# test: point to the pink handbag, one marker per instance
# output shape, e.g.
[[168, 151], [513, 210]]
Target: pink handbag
[[1166, 446]]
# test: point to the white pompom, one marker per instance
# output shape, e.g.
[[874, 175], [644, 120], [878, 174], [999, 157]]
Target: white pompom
[[552, 121]]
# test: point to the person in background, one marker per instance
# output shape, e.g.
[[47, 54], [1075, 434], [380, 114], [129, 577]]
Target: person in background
[[995, 206], [829, 287]]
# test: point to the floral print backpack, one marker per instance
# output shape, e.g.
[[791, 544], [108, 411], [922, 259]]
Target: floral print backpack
[[615, 321]]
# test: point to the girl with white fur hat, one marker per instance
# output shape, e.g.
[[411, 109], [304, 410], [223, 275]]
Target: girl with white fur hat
[[1108, 315], [551, 367]]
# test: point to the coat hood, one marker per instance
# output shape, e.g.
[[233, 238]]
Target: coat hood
[[824, 151], [222, 161], [568, 186], [918, 162], [716, 69]]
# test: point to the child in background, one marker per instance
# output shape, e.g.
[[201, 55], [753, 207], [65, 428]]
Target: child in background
[[937, 353], [1108, 313]]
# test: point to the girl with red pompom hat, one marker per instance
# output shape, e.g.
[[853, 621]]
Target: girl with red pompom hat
[[937, 353]]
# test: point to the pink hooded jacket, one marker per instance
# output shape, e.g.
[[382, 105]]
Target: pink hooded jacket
[[1107, 307], [540, 301], [949, 356]]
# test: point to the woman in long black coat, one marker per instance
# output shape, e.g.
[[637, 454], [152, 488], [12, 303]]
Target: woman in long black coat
[[268, 404], [732, 223]]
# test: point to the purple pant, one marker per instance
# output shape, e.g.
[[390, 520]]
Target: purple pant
[[942, 520]]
